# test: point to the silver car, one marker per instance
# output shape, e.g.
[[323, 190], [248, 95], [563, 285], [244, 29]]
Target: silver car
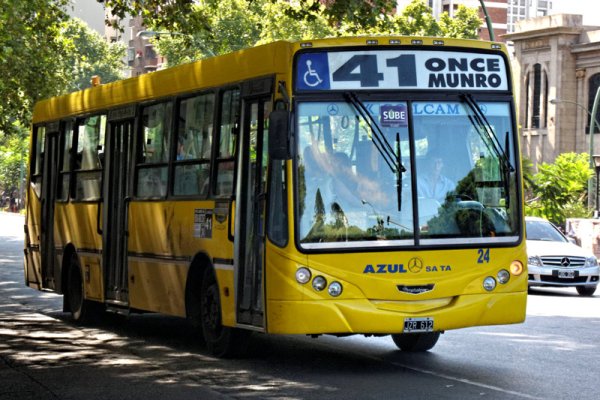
[[554, 261]]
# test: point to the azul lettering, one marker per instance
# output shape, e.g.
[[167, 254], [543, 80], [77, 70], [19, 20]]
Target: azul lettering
[[384, 269]]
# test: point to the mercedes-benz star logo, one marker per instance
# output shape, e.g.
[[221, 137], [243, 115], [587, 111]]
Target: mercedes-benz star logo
[[565, 262], [415, 265]]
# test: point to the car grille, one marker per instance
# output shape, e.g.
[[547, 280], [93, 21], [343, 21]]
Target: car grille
[[564, 261], [555, 279]]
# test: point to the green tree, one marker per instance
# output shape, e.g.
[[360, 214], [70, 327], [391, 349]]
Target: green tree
[[560, 189], [87, 54], [43, 53], [237, 24], [29, 44], [13, 158], [465, 23]]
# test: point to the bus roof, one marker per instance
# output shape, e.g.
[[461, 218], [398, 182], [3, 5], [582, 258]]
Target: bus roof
[[264, 60]]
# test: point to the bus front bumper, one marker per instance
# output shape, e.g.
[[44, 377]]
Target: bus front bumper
[[362, 316]]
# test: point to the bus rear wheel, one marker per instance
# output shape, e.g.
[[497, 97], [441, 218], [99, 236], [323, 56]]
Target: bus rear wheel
[[415, 342], [221, 341]]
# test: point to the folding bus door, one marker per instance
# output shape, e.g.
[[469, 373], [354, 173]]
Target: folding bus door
[[251, 199], [116, 203], [48, 198]]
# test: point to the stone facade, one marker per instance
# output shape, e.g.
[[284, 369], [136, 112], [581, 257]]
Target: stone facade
[[555, 58]]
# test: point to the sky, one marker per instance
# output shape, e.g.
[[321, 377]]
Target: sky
[[590, 9]]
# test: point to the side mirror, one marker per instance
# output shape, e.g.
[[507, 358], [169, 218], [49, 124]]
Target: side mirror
[[279, 132]]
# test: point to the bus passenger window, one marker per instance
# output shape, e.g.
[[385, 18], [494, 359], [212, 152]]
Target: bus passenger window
[[88, 169], [65, 163], [194, 144], [230, 111], [38, 160], [152, 165]]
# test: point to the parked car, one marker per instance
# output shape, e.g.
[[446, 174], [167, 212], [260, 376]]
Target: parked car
[[554, 261]]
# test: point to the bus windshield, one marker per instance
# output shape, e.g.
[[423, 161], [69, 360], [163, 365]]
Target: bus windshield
[[369, 175]]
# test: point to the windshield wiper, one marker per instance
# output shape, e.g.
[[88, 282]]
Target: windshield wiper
[[483, 127], [482, 122], [385, 149]]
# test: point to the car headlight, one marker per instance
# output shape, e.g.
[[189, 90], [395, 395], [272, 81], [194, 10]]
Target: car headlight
[[591, 262], [536, 261]]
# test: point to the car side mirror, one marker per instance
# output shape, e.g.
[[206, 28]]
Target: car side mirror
[[279, 132]]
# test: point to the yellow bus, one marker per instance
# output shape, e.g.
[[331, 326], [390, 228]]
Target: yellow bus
[[340, 186]]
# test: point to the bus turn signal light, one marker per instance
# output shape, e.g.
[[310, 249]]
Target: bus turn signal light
[[516, 268]]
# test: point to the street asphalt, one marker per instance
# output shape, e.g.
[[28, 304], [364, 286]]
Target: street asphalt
[[45, 356]]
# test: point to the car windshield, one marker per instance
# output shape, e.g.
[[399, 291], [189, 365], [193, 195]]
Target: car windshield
[[543, 230], [369, 175]]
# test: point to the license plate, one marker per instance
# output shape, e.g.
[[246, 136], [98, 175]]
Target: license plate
[[418, 324], [566, 274]]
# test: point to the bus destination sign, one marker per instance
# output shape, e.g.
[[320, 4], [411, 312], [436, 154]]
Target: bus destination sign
[[400, 69]]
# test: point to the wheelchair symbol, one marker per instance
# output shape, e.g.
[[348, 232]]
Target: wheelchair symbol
[[311, 77]]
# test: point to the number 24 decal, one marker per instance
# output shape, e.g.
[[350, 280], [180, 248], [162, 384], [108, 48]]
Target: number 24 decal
[[484, 256]]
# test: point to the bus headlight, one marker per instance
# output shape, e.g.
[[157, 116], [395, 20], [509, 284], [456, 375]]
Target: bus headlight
[[319, 283], [335, 289], [503, 276], [302, 275], [489, 283]]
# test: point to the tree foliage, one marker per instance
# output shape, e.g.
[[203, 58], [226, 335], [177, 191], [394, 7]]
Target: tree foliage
[[44, 53], [13, 158], [87, 54], [560, 189], [236, 24], [29, 42]]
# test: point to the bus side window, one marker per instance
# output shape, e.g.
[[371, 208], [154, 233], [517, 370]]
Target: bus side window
[[65, 161], [229, 124], [152, 164], [38, 160], [88, 170], [194, 144]]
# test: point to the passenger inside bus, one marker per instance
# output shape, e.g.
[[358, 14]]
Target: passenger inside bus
[[432, 182]]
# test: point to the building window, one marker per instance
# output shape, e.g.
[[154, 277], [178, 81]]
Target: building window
[[536, 98], [593, 86]]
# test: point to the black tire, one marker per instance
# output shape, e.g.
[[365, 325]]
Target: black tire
[[415, 342], [586, 290], [75, 293], [81, 310], [221, 341]]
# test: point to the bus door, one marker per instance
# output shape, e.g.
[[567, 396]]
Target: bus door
[[116, 205], [250, 232], [48, 198]]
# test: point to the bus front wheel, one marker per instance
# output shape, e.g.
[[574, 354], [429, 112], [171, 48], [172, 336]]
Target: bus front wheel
[[76, 302], [221, 341], [415, 342]]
